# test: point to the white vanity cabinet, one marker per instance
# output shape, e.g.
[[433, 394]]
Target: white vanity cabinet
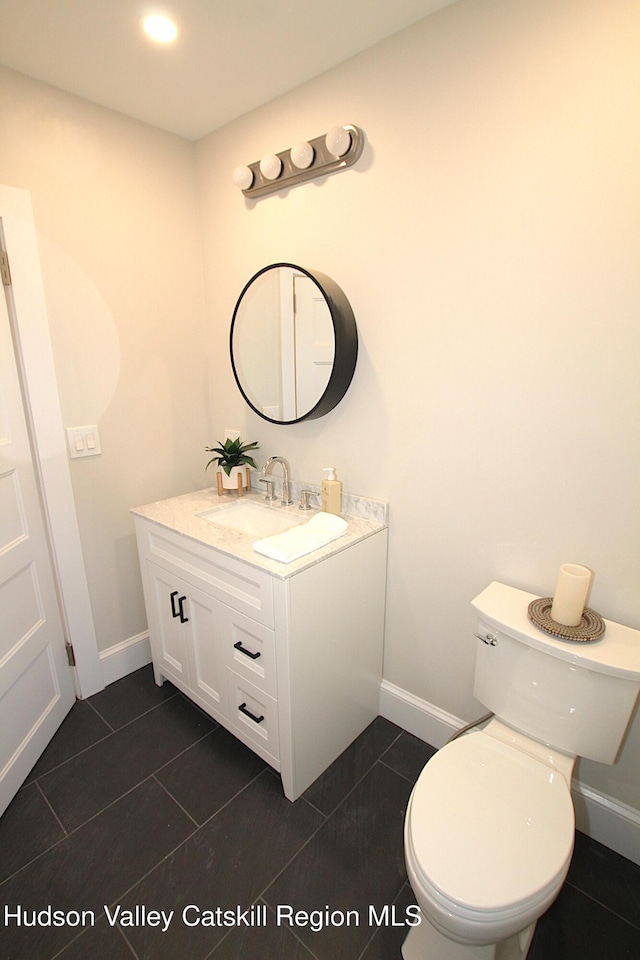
[[288, 661]]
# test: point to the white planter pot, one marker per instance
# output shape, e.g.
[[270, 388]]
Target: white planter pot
[[238, 479]]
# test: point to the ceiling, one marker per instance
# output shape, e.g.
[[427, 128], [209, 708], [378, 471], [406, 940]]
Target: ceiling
[[231, 55]]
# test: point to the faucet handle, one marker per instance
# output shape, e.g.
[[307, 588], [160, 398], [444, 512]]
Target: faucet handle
[[270, 495], [304, 500]]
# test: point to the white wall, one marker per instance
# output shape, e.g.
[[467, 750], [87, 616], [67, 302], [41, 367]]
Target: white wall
[[115, 209], [492, 264]]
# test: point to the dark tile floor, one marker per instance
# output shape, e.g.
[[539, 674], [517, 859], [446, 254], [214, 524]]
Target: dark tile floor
[[141, 804]]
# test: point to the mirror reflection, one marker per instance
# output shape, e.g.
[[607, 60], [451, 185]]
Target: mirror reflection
[[293, 343]]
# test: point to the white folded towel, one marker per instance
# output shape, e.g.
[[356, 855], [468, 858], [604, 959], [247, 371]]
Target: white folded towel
[[298, 541]]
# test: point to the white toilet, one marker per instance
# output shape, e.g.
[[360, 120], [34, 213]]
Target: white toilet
[[489, 829]]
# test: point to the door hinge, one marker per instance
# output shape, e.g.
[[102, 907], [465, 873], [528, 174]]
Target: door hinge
[[4, 268], [71, 657]]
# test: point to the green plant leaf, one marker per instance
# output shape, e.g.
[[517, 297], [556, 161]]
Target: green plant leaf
[[232, 453]]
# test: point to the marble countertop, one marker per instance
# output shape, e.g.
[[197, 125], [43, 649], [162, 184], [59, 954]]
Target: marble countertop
[[181, 514]]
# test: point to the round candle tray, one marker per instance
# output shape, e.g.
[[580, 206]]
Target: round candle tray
[[591, 627]]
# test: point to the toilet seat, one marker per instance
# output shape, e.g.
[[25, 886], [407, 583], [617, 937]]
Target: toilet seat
[[489, 834]]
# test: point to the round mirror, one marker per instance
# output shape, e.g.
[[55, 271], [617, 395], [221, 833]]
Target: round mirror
[[294, 343]]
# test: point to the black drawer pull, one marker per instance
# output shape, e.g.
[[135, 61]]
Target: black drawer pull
[[180, 611], [183, 619], [174, 612], [247, 653], [243, 709]]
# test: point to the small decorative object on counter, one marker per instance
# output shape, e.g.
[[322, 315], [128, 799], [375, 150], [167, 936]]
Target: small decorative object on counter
[[234, 462]]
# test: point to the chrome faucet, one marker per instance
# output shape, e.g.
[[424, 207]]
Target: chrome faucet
[[266, 470]]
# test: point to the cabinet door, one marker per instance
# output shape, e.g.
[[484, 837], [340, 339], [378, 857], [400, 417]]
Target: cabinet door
[[185, 627], [166, 629], [205, 629]]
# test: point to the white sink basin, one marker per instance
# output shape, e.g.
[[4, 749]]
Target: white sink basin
[[253, 519]]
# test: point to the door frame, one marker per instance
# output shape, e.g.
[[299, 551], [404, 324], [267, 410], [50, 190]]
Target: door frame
[[50, 451]]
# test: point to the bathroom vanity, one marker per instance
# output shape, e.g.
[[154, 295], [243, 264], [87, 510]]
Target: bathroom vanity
[[287, 656]]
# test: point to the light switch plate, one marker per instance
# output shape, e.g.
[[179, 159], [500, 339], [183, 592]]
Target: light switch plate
[[83, 441]]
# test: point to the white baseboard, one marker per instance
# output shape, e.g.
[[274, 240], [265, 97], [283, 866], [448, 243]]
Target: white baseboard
[[422, 719], [123, 658], [610, 821], [603, 818]]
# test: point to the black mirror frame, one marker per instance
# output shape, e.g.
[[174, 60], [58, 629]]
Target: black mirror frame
[[346, 343]]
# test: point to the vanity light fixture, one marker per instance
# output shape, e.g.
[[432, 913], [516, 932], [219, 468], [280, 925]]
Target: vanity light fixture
[[159, 28], [339, 148]]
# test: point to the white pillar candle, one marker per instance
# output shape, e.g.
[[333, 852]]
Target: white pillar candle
[[571, 594]]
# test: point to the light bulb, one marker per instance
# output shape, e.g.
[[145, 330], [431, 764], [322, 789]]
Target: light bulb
[[243, 177], [337, 141], [160, 29], [271, 166], [302, 155]]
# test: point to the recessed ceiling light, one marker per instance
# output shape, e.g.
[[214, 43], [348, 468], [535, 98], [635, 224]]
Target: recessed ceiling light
[[159, 28]]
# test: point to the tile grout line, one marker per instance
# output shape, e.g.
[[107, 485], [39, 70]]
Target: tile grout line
[[326, 819], [368, 770], [112, 730], [393, 742], [614, 913], [144, 713], [80, 826], [150, 776], [261, 773], [204, 736], [61, 951], [46, 800], [147, 873], [177, 802], [182, 842], [49, 848], [397, 772], [134, 953], [113, 733], [73, 757], [69, 833], [376, 931], [98, 714], [211, 955]]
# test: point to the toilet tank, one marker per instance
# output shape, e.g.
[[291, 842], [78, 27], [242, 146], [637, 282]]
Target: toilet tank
[[575, 696]]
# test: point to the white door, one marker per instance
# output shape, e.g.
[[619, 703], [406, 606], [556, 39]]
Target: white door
[[36, 684]]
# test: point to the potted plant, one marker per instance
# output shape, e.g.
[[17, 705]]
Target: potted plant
[[233, 462]]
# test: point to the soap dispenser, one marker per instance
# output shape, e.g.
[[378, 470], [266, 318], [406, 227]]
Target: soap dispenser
[[331, 492]]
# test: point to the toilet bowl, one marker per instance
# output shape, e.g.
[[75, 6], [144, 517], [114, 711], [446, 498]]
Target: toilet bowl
[[489, 835]]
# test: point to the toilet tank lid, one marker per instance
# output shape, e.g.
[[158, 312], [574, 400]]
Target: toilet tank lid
[[617, 653]]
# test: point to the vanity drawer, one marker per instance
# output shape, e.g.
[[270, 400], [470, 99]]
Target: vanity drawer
[[253, 716], [242, 587], [249, 649]]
